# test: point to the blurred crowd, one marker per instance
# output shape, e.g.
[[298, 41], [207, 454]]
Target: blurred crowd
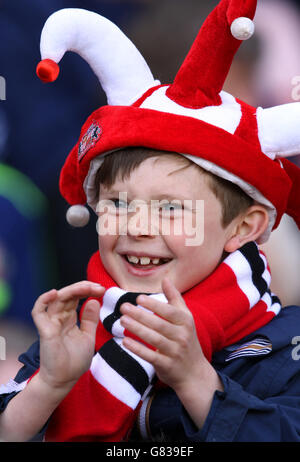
[[39, 124]]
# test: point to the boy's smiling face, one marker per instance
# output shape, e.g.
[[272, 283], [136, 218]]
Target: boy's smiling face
[[161, 179]]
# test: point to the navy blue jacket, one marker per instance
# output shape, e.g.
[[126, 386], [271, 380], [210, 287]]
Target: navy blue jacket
[[261, 398]]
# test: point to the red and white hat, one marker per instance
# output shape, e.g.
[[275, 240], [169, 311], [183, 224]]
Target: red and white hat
[[192, 116]]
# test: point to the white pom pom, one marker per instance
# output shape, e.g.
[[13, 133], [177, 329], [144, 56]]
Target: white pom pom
[[242, 28], [78, 216]]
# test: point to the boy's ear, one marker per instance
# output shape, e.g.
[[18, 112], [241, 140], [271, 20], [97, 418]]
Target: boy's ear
[[247, 227]]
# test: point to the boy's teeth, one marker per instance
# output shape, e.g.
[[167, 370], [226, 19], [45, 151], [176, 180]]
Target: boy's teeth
[[145, 260], [142, 260], [133, 259], [155, 261]]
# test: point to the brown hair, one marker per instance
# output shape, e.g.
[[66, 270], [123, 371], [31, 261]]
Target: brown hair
[[121, 163]]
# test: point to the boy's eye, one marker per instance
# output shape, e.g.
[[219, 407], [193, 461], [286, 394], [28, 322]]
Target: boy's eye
[[119, 203], [171, 208]]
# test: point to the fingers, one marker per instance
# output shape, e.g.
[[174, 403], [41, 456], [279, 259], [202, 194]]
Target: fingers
[[39, 309], [172, 294], [175, 311], [69, 296], [42, 302], [165, 310], [140, 350], [90, 318], [134, 317], [65, 299], [80, 290], [148, 334], [169, 332]]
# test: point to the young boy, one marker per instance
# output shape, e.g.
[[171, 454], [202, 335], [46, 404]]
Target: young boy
[[179, 284]]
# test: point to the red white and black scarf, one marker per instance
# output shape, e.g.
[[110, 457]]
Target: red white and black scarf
[[234, 301]]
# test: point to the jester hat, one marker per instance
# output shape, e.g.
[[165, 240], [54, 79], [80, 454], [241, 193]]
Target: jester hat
[[192, 116]]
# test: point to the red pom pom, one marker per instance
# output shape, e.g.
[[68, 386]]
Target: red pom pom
[[47, 70]]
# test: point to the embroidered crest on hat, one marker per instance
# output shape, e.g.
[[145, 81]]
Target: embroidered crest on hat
[[89, 139]]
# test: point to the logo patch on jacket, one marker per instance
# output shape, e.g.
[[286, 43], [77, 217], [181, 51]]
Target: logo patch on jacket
[[89, 140], [256, 347]]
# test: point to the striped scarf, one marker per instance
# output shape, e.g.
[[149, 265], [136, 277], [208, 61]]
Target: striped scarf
[[234, 301]]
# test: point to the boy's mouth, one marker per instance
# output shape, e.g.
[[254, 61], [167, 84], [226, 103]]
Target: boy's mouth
[[144, 262]]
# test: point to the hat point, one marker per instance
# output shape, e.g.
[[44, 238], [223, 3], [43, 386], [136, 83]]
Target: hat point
[[242, 28], [78, 216], [47, 70]]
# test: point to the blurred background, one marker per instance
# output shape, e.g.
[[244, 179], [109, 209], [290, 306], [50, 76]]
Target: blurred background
[[39, 124]]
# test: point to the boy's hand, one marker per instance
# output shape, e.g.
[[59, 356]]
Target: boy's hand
[[66, 350], [178, 357]]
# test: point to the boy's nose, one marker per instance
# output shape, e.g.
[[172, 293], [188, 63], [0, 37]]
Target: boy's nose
[[142, 223]]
